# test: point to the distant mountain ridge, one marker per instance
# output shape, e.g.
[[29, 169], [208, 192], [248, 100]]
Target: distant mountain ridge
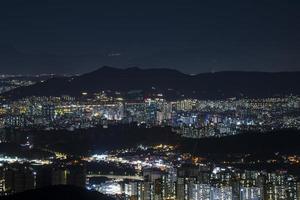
[[173, 84]]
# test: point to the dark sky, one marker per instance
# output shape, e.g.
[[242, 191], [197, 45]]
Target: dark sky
[[62, 36]]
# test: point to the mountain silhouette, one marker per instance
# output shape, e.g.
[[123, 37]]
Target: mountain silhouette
[[173, 84], [58, 192]]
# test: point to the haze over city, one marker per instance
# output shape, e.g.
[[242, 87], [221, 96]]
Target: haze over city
[[190, 36]]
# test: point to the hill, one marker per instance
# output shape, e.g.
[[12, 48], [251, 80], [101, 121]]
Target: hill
[[123, 136], [171, 83], [283, 141], [58, 192]]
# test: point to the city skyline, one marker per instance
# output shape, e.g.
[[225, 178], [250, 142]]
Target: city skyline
[[150, 100]]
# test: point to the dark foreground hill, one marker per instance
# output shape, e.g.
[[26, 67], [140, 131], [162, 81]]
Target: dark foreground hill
[[283, 141], [123, 136], [58, 192], [172, 83]]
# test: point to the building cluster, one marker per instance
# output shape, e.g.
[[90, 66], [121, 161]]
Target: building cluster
[[189, 117], [19, 177], [186, 182], [11, 82], [200, 182], [149, 173], [166, 174]]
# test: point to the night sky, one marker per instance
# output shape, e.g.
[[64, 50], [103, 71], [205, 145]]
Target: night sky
[[62, 36]]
